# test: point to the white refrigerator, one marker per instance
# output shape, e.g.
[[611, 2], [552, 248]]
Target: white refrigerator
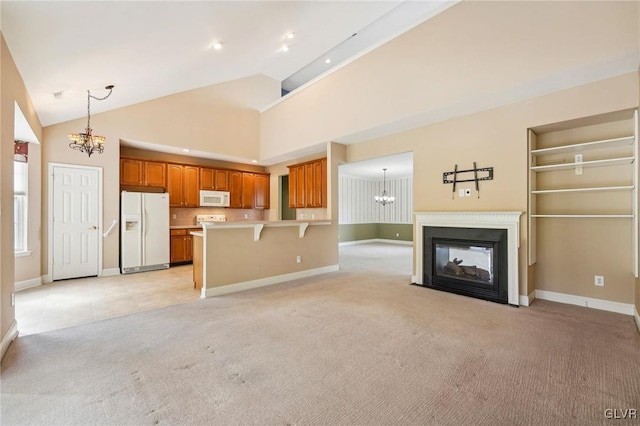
[[144, 231]]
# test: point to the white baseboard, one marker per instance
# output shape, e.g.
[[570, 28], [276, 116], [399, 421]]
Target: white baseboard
[[589, 302], [353, 243], [110, 272], [23, 285], [414, 279], [46, 279], [247, 285], [375, 240], [527, 300], [636, 315], [12, 333]]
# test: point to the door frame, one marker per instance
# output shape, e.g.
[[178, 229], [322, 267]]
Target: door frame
[[50, 214]]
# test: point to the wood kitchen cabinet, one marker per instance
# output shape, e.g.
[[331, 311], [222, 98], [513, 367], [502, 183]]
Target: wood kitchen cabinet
[[248, 190], [261, 191], [235, 189], [181, 250], [183, 185], [308, 184], [143, 173], [214, 179]]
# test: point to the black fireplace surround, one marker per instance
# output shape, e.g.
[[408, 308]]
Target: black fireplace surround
[[445, 267]]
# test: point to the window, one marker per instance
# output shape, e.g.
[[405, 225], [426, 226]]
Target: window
[[20, 180]]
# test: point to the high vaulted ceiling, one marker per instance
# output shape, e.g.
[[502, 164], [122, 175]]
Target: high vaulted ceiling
[[151, 49]]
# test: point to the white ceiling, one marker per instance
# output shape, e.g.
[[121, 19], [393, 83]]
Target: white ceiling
[[152, 49], [397, 165]]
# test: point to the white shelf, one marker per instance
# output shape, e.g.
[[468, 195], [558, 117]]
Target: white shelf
[[594, 189], [626, 154], [594, 163], [606, 143], [585, 215]]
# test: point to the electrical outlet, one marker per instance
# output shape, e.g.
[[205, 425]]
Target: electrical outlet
[[13, 299], [175, 216], [599, 280], [397, 234], [461, 193], [578, 159], [246, 216], [467, 192], [298, 259]]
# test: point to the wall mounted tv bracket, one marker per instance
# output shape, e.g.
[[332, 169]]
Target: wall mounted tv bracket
[[487, 174]]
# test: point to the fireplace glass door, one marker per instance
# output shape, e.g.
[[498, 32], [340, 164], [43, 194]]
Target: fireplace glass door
[[468, 261], [464, 262]]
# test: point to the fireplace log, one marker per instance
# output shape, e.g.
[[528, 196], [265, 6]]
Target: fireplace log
[[469, 272]]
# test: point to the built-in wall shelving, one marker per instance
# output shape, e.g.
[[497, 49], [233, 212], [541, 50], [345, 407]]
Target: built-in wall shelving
[[585, 146], [618, 154], [591, 189], [593, 163]]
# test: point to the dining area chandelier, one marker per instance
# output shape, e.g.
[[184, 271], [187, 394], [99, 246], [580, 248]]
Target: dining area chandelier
[[384, 198], [86, 141]]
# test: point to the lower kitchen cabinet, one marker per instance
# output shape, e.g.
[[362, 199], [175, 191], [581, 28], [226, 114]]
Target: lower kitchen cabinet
[[181, 245]]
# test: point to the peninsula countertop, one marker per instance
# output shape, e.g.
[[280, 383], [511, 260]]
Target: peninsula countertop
[[259, 225], [254, 222]]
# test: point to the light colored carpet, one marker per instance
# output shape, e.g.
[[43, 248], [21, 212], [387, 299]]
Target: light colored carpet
[[358, 346]]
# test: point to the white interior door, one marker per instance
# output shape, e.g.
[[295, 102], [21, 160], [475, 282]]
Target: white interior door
[[75, 222]]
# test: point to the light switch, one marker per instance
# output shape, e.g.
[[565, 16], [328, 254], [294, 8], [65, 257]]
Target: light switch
[[461, 193]]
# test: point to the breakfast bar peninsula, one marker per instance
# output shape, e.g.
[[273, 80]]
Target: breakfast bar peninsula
[[235, 256]]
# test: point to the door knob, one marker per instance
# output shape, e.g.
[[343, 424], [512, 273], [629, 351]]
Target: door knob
[[93, 227]]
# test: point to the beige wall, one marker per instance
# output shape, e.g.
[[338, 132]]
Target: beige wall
[[638, 219], [12, 90], [233, 257], [222, 119], [496, 138], [456, 60]]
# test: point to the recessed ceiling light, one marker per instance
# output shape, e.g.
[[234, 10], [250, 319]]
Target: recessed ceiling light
[[285, 48], [254, 161], [186, 150], [217, 45], [327, 61], [288, 36], [57, 96]]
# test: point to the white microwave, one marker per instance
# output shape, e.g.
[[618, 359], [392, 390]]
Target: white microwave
[[214, 198]]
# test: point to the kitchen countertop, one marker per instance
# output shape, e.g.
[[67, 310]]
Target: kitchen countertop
[[239, 223], [259, 225], [236, 223]]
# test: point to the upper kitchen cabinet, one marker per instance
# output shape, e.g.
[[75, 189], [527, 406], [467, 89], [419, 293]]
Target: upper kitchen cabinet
[[142, 173], [261, 191], [214, 179], [235, 189], [183, 185], [248, 190], [308, 184]]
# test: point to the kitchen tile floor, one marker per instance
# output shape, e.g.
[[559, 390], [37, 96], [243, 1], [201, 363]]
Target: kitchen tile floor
[[83, 300]]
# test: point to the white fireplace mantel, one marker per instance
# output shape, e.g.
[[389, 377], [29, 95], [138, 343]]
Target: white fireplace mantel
[[491, 220]]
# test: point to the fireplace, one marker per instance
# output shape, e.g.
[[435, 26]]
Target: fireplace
[[467, 261], [488, 241]]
